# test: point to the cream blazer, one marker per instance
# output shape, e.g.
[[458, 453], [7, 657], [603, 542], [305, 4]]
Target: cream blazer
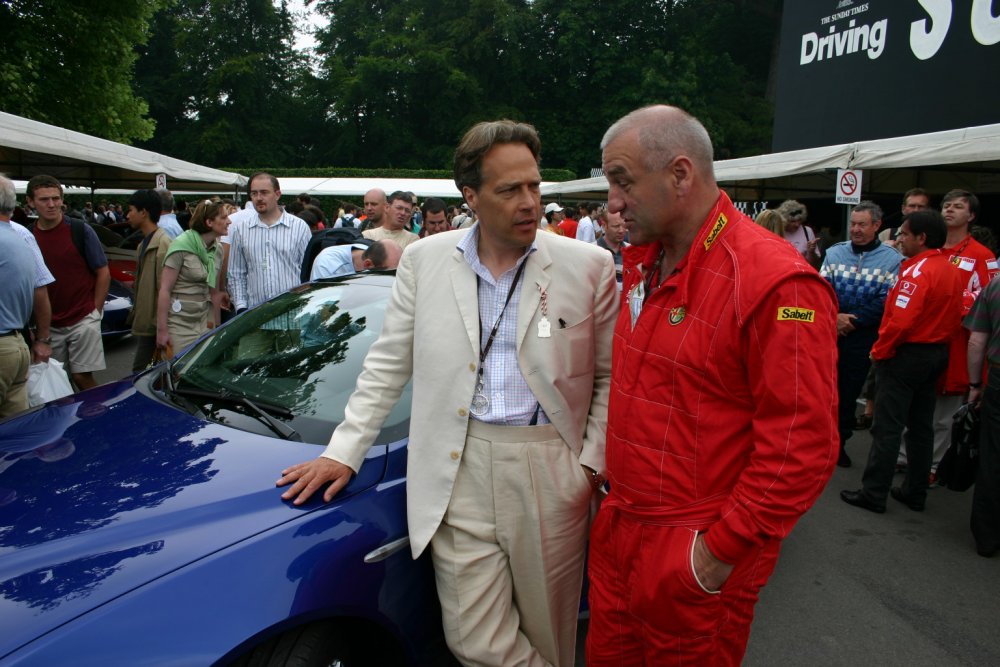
[[431, 332]]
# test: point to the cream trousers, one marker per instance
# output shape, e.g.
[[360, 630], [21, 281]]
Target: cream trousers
[[509, 554]]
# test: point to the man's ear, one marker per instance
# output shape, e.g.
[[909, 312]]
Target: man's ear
[[367, 264], [681, 172], [470, 196]]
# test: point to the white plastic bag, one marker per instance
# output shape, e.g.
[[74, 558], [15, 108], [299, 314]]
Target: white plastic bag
[[47, 382]]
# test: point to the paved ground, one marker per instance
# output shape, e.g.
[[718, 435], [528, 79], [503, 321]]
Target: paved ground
[[855, 588]]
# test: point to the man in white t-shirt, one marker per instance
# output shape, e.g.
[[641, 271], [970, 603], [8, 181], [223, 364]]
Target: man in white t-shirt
[[586, 229], [394, 223]]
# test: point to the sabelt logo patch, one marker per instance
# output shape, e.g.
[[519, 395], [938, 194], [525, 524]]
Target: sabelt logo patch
[[795, 314], [720, 224], [902, 301], [907, 287]]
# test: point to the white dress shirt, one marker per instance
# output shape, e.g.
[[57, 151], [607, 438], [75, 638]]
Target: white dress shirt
[[510, 399]]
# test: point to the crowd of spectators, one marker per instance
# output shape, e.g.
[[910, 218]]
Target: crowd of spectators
[[195, 268]]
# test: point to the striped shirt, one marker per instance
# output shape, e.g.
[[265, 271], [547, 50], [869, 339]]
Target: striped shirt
[[265, 260], [510, 399]]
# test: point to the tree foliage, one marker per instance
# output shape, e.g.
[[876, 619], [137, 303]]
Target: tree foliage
[[223, 82], [403, 79], [71, 64], [394, 83]]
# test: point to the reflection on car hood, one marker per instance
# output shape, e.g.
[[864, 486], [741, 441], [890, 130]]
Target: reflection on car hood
[[106, 490]]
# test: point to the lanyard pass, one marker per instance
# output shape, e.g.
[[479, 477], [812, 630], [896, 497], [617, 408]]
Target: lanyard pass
[[544, 328]]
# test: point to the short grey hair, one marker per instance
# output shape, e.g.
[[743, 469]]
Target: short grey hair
[[8, 195], [664, 133], [166, 199], [873, 209]]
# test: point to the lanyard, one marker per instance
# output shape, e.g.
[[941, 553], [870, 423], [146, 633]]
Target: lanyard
[[496, 325], [652, 280]]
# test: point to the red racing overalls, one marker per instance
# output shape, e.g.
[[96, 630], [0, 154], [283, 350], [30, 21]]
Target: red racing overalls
[[723, 420]]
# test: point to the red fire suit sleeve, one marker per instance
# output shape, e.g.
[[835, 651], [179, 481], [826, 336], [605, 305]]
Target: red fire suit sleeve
[[789, 345]]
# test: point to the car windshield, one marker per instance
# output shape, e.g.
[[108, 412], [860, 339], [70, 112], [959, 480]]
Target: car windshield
[[297, 357]]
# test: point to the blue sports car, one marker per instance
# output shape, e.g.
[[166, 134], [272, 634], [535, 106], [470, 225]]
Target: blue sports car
[[140, 524]]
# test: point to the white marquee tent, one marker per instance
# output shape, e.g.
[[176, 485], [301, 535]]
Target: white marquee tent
[[28, 147], [966, 158]]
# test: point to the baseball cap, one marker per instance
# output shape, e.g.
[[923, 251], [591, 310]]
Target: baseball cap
[[549, 208]]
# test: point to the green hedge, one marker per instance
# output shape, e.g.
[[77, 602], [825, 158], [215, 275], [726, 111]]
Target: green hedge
[[557, 175]]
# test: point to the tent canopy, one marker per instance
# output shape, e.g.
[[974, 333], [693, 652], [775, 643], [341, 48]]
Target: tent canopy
[[967, 158], [28, 148]]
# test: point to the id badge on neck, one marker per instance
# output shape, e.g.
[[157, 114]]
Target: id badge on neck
[[636, 296]]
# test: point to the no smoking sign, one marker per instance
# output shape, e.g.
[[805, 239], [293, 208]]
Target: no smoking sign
[[848, 186]]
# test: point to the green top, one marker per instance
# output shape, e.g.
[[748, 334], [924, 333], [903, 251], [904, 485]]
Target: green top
[[190, 241]]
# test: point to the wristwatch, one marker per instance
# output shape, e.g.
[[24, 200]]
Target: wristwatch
[[47, 341], [597, 480], [976, 385]]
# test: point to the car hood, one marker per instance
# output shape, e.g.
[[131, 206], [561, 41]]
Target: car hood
[[106, 490]]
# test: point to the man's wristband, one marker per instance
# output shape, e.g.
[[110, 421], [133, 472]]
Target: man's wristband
[[47, 341], [976, 385]]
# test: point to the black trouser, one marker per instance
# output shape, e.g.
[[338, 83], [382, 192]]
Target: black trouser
[[145, 346], [852, 370], [905, 399], [986, 497]]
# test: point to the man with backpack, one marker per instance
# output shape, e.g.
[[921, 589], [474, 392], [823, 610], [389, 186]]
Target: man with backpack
[[349, 219], [74, 255]]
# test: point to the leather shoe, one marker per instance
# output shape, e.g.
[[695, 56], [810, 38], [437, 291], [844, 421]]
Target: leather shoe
[[843, 461], [897, 494], [858, 499]]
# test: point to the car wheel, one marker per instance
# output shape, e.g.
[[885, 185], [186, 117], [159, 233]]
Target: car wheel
[[319, 644]]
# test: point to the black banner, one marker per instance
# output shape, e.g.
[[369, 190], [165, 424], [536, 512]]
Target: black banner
[[851, 70]]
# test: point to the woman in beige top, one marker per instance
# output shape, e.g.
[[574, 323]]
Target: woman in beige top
[[185, 309]]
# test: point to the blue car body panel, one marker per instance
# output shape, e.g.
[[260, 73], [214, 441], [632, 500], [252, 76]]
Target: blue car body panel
[[134, 515]]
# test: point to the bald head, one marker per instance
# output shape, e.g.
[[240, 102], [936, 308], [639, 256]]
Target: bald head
[[658, 162], [375, 206], [665, 132]]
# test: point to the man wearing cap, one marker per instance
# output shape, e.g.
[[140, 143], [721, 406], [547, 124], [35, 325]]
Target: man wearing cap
[[552, 217], [343, 260]]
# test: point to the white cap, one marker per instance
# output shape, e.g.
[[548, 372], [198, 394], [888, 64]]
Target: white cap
[[549, 208]]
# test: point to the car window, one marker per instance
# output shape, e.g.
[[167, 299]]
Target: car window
[[301, 352]]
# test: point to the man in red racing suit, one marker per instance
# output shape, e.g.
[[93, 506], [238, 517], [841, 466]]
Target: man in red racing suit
[[722, 422]]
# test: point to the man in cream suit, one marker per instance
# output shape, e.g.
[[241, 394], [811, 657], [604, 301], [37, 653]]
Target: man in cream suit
[[507, 336]]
